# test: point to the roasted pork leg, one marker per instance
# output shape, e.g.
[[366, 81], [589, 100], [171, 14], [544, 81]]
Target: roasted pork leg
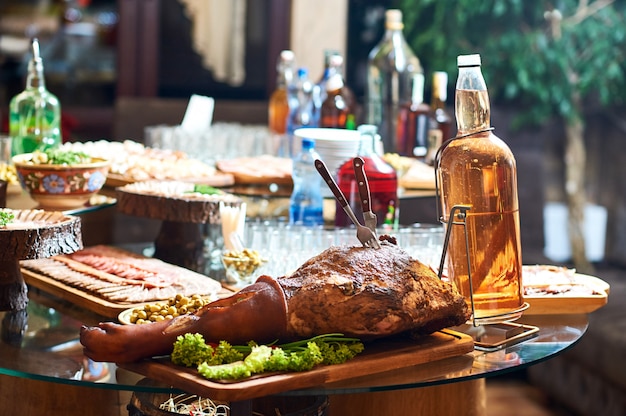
[[356, 291]]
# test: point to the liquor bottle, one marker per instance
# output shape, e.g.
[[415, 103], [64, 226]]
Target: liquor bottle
[[414, 122], [306, 206], [442, 129], [338, 105], [35, 113], [301, 110], [382, 180], [478, 170], [278, 109], [390, 69], [333, 63]]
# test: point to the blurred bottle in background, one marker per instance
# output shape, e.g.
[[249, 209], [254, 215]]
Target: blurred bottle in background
[[442, 128], [339, 105], [391, 66], [382, 180], [35, 113], [278, 107], [306, 206], [414, 122], [301, 110], [333, 63]]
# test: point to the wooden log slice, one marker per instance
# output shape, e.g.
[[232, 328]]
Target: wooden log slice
[[35, 234], [172, 201], [32, 234]]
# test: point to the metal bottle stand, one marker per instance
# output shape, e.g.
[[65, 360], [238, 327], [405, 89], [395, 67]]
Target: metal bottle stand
[[493, 332]]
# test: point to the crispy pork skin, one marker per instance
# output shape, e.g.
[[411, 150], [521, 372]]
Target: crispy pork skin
[[368, 294], [357, 291], [255, 312]]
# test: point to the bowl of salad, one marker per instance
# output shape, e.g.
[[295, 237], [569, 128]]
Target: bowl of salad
[[60, 179]]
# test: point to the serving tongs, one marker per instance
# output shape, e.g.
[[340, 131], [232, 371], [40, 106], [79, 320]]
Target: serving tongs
[[364, 234], [364, 192]]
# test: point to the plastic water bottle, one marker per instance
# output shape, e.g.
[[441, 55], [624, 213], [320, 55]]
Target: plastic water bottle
[[306, 204], [301, 109]]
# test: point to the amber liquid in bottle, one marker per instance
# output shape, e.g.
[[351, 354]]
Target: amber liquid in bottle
[[278, 111], [479, 170]]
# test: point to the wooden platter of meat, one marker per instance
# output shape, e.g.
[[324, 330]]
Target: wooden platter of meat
[[552, 290], [379, 356], [31, 234], [172, 201], [107, 280], [258, 170]]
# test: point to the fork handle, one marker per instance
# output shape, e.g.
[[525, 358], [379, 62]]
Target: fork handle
[[364, 190], [328, 178]]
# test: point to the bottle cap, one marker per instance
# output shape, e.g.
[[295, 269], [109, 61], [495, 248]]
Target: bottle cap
[[287, 55], [393, 19], [307, 143], [335, 60], [468, 60], [335, 82]]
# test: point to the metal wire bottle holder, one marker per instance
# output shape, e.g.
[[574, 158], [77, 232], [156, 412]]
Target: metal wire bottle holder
[[498, 332]]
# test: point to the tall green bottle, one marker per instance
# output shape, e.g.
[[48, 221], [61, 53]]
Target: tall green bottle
[[35, 113]]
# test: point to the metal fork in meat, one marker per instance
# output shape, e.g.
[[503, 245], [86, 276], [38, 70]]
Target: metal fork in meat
[[364, 234], [364, 192]]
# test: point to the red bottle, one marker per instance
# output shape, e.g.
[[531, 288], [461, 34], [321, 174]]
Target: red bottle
[[382, 180]]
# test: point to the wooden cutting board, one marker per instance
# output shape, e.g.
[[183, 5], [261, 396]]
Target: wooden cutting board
[[379, 356], [85, 299]]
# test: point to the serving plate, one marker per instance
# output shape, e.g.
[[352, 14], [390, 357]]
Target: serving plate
[[558, 290]]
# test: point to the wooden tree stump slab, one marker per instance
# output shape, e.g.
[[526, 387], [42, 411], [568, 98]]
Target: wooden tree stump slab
[[172, 201], [32, 234]]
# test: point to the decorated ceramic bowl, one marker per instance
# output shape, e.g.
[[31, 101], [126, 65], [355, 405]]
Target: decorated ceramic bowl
[[60, 186]]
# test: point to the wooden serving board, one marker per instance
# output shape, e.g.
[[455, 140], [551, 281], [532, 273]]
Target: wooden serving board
[[379, 356], [79, 297], [85, 299]]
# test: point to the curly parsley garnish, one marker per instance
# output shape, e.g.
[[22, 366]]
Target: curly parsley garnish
[[6, 217]]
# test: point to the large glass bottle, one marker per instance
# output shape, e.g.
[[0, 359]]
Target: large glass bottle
[[477, 169], [442, 128], [382, 180], [35, 113], [390, 69]]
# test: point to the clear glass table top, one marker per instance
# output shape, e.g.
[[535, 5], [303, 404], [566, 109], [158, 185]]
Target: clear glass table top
[[42, 343]]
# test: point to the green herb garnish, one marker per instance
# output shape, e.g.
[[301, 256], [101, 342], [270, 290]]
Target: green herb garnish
[[224, 361], [60, 157], [206, 189], [6, 217]]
